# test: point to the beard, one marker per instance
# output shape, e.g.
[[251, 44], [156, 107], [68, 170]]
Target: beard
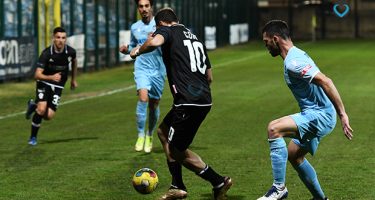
[[274, 51]]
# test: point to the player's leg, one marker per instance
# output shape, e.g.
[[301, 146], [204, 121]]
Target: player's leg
[[36, 121], [322, 122], [305, 170], [30, 108], [42, 93], [154, 94], [186, 122], [154, 113], [141, 113], [277, 129], [177, 189], [153, 117], [194, 163]]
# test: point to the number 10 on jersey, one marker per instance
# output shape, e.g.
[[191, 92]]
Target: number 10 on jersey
[[195, 49]]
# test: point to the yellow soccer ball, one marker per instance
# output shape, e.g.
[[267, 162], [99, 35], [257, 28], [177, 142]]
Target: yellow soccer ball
[[145, 180]]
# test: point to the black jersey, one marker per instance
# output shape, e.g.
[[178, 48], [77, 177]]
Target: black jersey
[[186, 61], [53, 63]]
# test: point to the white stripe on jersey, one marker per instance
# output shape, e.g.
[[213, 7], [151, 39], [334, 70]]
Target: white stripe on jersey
[[185, 104], [52, 85]]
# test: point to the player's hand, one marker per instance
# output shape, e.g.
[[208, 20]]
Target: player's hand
[[123, 49], [73, 84], [348, 131], [135, 52], [56, 77], [149, 35]]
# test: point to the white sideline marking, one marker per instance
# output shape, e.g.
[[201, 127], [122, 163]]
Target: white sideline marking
[[76, 100], [257, 54]]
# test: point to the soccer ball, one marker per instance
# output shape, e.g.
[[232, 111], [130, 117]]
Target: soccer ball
[[145, 181]]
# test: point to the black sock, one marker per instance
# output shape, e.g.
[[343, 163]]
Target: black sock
[[210, 175], [175, 169], [35, 124]]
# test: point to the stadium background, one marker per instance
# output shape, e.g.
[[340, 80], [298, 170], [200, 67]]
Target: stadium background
[[97, 27]]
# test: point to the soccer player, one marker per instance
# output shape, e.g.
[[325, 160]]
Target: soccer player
[[149, 75], [318, 100], [189, 75], [51, 73]]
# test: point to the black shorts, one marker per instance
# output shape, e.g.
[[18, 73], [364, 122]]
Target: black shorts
[[48, 93], [183, 123]]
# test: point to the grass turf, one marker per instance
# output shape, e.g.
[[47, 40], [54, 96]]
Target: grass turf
[[86, 151]]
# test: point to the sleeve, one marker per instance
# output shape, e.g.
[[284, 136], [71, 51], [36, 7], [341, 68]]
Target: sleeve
[[73, 53], [302, 70], [163, 31], [133, 40], [42, 61]]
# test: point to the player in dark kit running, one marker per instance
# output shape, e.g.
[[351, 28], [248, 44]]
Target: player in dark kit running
[[51, 73], [189, 75]]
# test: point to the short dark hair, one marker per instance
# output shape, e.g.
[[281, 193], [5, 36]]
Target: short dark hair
[[58, 30], [166, 15], [151, 2], [277, 27]]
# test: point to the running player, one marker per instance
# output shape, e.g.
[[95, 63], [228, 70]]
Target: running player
[[51, 73], [149, 75]]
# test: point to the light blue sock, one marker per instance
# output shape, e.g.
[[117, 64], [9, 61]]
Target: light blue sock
[[308, 176], [153, 117], [279, 157], [141, 112]]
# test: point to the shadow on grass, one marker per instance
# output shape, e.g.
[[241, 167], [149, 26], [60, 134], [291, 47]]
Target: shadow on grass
[[67, 140], [26, 158], [208, 196]]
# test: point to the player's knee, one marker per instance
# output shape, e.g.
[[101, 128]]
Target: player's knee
[[272, 130], [41, 110], [143, 99], [50, 115], [161, 135], [142, 96], [295, 160], [176, 154]]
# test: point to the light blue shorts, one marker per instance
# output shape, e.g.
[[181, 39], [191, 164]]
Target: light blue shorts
[[153, 83], [312, 126]]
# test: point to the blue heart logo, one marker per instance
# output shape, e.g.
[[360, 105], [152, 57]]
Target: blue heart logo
[[338, 13]]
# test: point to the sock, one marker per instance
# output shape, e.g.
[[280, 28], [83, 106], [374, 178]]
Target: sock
[[35, 125], [175, 169], [210, 175], [141, 112], [308, 176], [153, 117], [279, 157]]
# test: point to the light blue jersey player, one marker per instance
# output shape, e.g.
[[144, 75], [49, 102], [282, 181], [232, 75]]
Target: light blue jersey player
[[317, 111], [149, 76], [319, 102]]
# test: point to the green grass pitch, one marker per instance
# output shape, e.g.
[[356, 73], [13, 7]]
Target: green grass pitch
[[86, 151]]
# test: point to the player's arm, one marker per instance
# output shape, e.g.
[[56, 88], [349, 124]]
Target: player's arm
[[209, 75], [73, 82], [126, 48], [40, 76], [332, 93], [151, 44]]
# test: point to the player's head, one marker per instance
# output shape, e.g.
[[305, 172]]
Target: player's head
[[165, 16], [144, 7], [59, 37], [273, 32]]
